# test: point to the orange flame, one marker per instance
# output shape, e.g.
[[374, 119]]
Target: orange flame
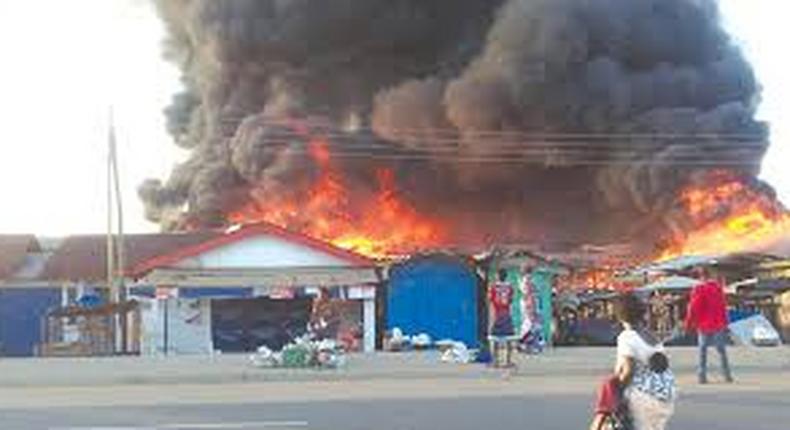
[[385, 225], [729, 216]]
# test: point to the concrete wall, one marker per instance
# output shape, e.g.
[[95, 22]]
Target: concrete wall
[[262, 252], [188, 325]]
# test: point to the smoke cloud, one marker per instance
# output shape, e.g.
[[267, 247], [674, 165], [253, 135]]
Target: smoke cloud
[[571, 118]]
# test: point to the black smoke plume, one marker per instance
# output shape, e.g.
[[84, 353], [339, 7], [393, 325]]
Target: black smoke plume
[[511, 119]]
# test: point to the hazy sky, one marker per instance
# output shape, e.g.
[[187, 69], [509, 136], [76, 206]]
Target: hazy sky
[[65, 62]]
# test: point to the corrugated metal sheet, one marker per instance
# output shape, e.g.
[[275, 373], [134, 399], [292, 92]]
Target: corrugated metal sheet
[[21, 311], [13, 251], [434, 295], [84, 258]]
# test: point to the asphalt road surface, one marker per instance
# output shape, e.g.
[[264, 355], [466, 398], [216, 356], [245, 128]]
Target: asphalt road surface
[[703, 409], [382, 392]]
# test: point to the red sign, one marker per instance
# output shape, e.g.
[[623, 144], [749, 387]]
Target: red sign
[[164, 293]]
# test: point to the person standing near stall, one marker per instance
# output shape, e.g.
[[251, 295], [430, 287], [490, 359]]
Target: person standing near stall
[[324, 318], [500, 297], [530, 326], [707, 316]]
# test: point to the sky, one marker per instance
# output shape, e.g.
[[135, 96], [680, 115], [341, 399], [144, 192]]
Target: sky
[[761, 28], [65, 63]]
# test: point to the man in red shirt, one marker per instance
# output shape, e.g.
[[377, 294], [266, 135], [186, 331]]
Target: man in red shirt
[[500, 297], [707, 315]]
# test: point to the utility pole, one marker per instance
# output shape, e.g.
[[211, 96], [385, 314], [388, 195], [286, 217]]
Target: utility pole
[[110, 251], [115, 248]]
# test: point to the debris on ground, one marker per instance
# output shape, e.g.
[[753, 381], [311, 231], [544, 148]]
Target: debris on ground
[[396, 341], [421, 341], [301, 353], [457, 353]]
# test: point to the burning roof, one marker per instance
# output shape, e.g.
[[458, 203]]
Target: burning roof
[[727, 214]]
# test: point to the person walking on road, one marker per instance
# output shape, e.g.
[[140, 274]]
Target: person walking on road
[[641, 392], [707, 316]]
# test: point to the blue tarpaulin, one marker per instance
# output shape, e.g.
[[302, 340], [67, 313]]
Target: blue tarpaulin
[[737, 315]]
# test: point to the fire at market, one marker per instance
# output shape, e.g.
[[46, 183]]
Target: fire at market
[[586, 157], [353, 155]]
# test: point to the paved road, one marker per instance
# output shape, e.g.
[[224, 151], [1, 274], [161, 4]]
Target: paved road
[[235, 368], [387, 392], [715, 407]]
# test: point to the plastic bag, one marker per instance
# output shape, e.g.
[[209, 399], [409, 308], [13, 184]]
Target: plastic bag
[[263, 357], [458, 353], [422, 340]]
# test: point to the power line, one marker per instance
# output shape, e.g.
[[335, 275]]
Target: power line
[[731, 158], [438, 144], [322, 127], [536, 150], [596, 141]]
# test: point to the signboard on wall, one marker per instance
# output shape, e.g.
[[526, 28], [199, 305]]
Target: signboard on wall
[[363, 292], [164, 293], [282, 293]]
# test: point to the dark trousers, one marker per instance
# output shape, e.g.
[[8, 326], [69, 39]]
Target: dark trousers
[[717, 340]]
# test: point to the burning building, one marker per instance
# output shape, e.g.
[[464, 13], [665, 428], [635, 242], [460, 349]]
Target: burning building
[[388, 126]]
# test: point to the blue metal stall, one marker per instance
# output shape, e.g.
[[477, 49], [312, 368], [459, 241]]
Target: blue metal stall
[[437, 295], [21, 310]]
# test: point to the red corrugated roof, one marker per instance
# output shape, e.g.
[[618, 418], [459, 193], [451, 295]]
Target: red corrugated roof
[[167, 259], [13, 250], [84, 258]]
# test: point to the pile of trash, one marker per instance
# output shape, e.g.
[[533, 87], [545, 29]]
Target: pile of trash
[[451, 351], [302, 353]]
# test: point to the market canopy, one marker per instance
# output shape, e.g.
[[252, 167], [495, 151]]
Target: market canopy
[[778, 269], [766, 285], [677, 264], [671, 283]]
